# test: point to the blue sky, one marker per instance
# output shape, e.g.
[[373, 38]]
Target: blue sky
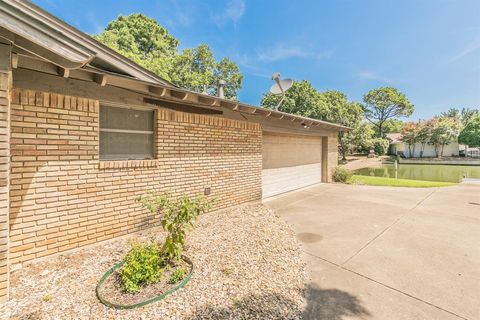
[[429, 49]]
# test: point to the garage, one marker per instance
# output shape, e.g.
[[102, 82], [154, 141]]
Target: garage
[[290, 162]]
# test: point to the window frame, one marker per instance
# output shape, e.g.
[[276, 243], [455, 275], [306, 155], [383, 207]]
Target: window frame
[[153, 132]]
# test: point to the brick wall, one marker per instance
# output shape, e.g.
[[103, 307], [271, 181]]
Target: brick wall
[[63, 197]]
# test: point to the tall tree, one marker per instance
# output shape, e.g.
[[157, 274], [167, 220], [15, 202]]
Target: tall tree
[[445, 130], [392, 126], [147, 43], [465, 114], [424, 134], [334, 107], [193, 68], [301, 99], [228, 71], [470, 135], [385, 103], [142, 40], [410, 131]]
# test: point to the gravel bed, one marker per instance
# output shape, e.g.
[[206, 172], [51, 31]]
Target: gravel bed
[[247, 263]]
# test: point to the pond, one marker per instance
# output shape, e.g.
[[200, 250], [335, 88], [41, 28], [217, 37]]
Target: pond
[[444, 173]]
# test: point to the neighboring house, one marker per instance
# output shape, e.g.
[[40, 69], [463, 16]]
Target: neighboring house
[[84, 131], [397, 146]]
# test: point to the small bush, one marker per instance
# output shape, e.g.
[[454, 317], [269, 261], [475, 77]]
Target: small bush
[[380, 146], [341, 174], [143, 265], [178, 216], [178, 275]]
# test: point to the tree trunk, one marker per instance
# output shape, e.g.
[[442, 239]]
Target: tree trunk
[[380, 129]]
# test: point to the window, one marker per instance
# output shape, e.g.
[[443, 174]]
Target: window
[[126, 133]]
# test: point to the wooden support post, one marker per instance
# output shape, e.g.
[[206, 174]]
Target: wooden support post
[[5, 91]]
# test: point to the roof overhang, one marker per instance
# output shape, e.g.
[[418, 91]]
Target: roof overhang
[[39, 33], [41, 42]]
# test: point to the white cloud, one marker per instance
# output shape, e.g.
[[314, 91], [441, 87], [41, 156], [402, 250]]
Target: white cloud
[[372, 76], [282, 52], [232, 12], [469, 49]]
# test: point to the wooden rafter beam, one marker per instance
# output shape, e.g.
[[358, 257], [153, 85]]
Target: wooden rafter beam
[[157, 90], [182, 95], [14, 61], [101, 79], [206, 100], [63, 72]]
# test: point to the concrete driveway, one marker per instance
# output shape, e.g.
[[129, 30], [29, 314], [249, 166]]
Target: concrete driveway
[[388, 253]]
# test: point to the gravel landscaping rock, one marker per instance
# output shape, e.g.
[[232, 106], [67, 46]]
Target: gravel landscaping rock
[[247, 264]]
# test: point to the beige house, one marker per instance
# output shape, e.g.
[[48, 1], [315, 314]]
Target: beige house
[[83, 131], [397, 146]]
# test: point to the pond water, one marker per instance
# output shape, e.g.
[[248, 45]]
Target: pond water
[[444, 173]]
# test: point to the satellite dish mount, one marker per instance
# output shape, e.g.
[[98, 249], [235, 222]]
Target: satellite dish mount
[[280, 87]]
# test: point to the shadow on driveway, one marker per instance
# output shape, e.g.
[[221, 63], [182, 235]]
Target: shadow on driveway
[[332, 304]]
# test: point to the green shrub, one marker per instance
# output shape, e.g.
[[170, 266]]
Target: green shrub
[[177, 217], [341, 174], [380, 146], [143, 265], [178, 275]]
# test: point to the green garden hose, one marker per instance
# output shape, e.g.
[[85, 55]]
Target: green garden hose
[[143, 303]]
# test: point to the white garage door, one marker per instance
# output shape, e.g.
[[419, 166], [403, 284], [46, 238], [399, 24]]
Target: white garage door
[[290, 162]]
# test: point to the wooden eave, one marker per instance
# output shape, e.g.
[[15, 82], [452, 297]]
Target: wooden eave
[[172, 96]]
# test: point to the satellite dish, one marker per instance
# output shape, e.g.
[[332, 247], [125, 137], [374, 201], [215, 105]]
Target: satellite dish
[[280, 87]]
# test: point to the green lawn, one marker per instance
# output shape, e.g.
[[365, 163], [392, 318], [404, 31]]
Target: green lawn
[[391, 182]]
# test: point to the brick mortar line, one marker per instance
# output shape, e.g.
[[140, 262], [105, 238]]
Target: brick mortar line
[[386, 286], [388, 227]]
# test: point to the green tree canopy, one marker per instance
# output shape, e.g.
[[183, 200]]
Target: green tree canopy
[[470, 135], [444, 130], [464, 115], [301, 99], [150, 45], [142, 40], [385, 103]]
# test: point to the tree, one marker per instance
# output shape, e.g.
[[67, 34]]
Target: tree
[[301, 99], [150, 45], [383, 104], [465, 115], [424, 134], [392, 126], [445, 130], [410, 132], [334, 107], [228, 71], [470, 135], [142, 40], [193, 68]]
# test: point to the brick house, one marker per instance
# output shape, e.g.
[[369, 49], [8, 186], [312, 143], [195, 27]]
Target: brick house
[[83, 131]]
